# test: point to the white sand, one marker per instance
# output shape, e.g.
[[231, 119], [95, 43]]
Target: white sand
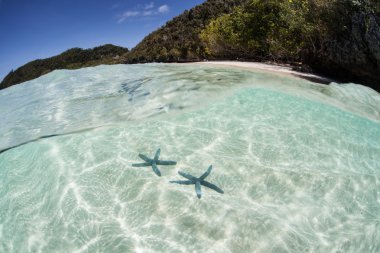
[[281, 69]]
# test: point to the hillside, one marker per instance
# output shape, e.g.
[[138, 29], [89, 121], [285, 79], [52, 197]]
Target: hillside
[[71, 59], [179, 39], [338, 38]]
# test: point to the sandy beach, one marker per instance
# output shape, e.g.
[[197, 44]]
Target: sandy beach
[[280, 69]]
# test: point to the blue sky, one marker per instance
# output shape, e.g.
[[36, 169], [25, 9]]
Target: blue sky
[[35, 29]]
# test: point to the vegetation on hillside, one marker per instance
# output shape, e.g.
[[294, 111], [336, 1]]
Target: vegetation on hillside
[[337, 37], [179, 39], [71, 59], [278, 29], [260, 30]]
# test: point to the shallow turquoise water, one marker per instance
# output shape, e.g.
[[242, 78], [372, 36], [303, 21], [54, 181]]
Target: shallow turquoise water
[[299, 162]]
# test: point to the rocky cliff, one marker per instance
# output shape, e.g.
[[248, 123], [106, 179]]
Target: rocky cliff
[[355, 56]]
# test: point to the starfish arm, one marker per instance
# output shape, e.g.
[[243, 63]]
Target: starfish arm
[[157, 155], [212, 186], [156, 170], [198, 189], [145, 158], [140, 164], [188, 176], [185, 182], [160, 162], [206, 173]]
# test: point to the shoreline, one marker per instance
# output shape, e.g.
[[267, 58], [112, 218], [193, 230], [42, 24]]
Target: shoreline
[[273, 68]]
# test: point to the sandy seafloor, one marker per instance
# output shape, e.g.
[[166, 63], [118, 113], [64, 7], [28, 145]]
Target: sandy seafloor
[[298, 161]]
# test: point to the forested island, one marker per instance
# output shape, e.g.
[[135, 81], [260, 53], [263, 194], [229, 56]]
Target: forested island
[[337, 38], [73, 58]]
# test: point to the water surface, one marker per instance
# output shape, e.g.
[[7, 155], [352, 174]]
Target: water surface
[[298, 161]]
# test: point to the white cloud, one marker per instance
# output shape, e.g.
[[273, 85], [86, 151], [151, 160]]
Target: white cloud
[[163, 8], [149, 6], [148, 13], [131, 13], [143, 11], [127, 14]]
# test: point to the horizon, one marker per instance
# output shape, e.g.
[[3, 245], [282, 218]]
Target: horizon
[[52, 27]]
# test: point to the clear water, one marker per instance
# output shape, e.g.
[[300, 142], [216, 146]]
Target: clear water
[[299, 162]]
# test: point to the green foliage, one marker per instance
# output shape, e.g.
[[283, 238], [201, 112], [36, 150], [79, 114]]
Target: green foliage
[[280, 29], [71, 59], [260, 30], [179, 39]]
